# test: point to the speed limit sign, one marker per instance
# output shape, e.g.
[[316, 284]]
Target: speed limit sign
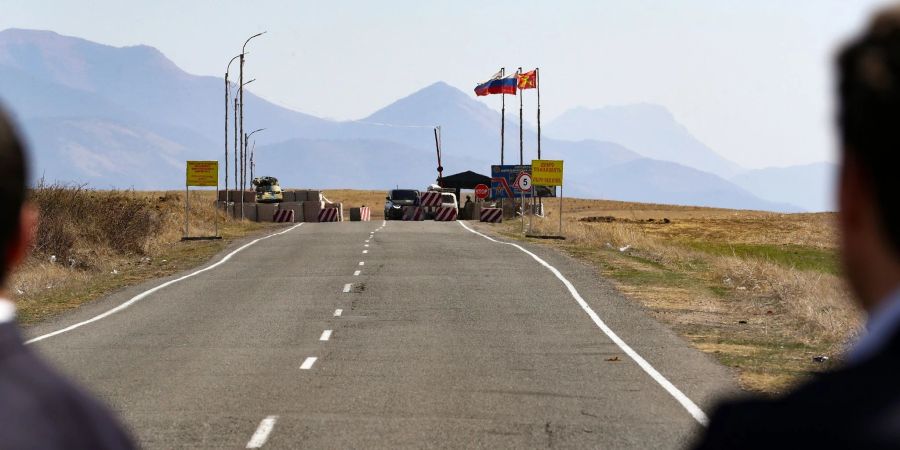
[[523, 182]]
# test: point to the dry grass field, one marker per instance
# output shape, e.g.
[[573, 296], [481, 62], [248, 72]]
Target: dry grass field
[[91, 243], [761, 292]]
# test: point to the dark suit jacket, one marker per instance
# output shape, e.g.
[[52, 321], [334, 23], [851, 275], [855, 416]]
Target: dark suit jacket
[[39, 409], [854, 407]]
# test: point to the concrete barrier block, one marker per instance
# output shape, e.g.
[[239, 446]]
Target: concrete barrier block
[[249, 197], [311, 211], [249, 211], [355, 214], [297, 207], [339, 207], [288, 196], [265, 212], [313, 196]]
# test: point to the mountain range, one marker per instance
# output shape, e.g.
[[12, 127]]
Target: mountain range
[[129, 117]]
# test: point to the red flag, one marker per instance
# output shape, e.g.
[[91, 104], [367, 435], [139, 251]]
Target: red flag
[[528, 80]]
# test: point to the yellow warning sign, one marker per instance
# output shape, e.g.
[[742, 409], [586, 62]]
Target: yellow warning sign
[[545, 172], [202, 173]]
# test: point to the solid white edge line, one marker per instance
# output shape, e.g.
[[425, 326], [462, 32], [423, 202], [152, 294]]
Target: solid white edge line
[[326, 335], [261, 435], [356, 274], [146, 293], [679, 396], [347, 287], [308, 363], [338, 312]]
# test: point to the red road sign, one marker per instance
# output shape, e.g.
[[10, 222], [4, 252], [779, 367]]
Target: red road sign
[[482, 191]]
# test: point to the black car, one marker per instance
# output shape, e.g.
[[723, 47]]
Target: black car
[[396, 200]]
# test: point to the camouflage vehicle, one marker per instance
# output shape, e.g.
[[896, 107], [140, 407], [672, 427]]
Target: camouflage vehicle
[[267, 190]]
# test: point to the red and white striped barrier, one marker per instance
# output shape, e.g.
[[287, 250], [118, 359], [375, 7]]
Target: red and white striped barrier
[[413, 213], [445, 214], [365, 214], [328, 215], [492, 215], [430, 198], [284, 215]]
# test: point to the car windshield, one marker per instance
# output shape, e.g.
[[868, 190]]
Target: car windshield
[[447, 198], [404, 194]]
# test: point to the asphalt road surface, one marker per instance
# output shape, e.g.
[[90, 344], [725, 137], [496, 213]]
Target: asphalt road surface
[[402, 334]]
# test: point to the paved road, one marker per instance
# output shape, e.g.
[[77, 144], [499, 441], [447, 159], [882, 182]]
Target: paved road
[[445, 339]]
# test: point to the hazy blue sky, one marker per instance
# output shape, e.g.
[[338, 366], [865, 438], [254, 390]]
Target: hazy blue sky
[[749, 78]]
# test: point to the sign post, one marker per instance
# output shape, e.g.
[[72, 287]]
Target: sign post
[[550, 173], [523, 182], [200, 173]]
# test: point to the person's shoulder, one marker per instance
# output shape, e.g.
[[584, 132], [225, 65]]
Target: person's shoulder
[[845, 408], [44, 408]]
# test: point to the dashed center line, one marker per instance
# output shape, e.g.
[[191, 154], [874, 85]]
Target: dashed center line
[[338, 312], [261, 435], [308, 363], [362, 263], [326, 335], [366, 245], [356, 274], [347, 287], [365, 251]]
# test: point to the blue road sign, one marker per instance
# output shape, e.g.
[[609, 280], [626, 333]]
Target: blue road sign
[[503, 181]]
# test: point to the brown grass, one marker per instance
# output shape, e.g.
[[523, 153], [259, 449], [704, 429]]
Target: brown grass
[[759, 291], [90, 243]]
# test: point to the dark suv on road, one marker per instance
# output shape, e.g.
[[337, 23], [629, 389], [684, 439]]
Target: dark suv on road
[[396, 200]]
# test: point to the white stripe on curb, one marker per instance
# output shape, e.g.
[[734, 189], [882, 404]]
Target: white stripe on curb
[[679, 396], [261, 435], [146, 293]]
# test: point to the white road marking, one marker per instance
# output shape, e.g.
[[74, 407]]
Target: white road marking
[[367, 241], [366, 245], [679, 396], [362, 263], [326, 335], [365, 251], [347, 287], [356, 274], [261, 435], [338, 312], [308, 363], [146, 293]]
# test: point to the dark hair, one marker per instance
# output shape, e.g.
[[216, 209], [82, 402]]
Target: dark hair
[[869, 111], [13, 179]]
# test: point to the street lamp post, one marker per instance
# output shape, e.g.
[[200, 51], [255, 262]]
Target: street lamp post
[[247, 141], [243, 154], [227, 91], [241, 96]]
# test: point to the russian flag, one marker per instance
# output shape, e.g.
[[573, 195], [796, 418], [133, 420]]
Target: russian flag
[[504, 85], [497, 86]]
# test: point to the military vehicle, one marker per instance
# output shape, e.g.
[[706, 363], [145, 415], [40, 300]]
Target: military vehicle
[[267, 190]]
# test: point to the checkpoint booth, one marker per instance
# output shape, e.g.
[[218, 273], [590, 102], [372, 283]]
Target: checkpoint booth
[[464, 180]]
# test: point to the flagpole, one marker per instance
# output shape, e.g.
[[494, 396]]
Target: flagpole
[[521, 142], [502, 116]]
